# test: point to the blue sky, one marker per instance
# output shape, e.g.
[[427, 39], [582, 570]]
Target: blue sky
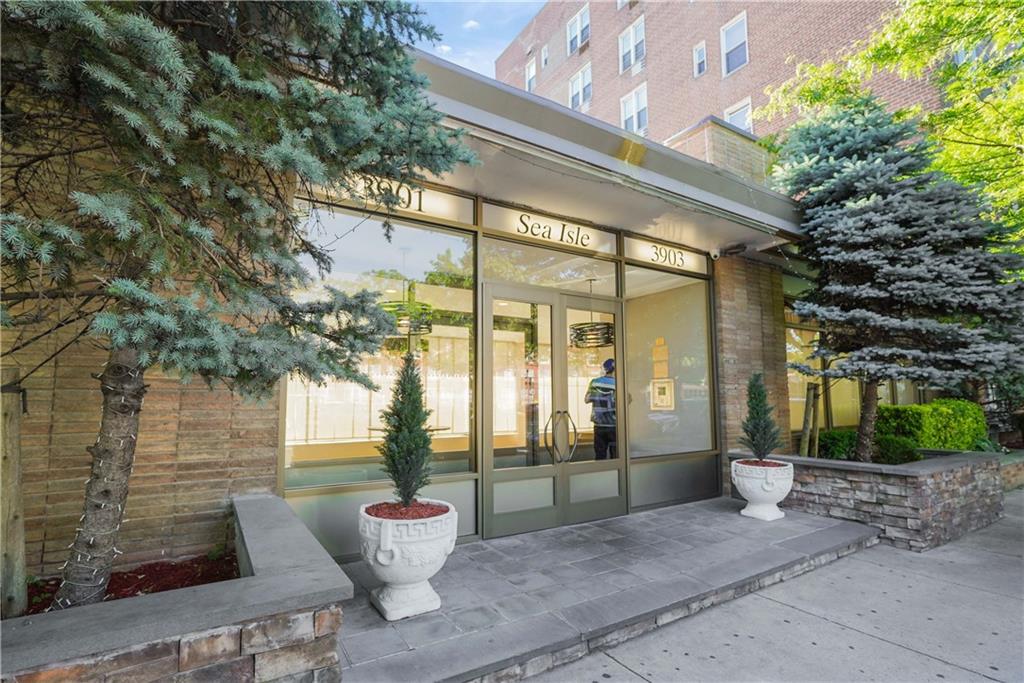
[[475, 33]]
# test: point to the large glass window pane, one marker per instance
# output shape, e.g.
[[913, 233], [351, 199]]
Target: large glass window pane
[[523, 264], [332, 431], [906, 392], [593, 396], [798, 350], [668, 370], [521, 394], [844, 402]]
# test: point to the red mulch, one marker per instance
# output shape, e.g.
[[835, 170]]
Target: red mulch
[[416, 510], [148, 578], [762, 463]]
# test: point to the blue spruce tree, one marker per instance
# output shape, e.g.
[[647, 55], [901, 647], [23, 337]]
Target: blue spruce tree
[[151, 156], [908, 285]]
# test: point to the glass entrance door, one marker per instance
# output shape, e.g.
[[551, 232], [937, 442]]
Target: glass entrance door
[[552, 446]]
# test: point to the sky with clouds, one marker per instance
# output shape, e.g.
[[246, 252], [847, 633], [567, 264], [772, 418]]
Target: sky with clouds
[[473, 34]]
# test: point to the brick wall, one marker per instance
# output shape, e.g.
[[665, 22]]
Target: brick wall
[[196, 447], [715, 142], [750, 338], [780, 34], [301, 645]]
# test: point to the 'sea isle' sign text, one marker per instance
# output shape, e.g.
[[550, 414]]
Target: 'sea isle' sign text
[[526, 223]]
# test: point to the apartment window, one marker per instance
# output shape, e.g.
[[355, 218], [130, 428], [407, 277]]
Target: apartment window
[[544, 56], [633, 111], [739, 115], [577, 31], [531, 75], [700, 59], [734, 44], [631, 45], [580, 88], [619, 4]]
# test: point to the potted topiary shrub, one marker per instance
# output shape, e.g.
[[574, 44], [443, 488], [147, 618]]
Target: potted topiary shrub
[[763, 483], [406, 541]]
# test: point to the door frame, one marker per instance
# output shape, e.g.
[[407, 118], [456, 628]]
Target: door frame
[[562, 511]]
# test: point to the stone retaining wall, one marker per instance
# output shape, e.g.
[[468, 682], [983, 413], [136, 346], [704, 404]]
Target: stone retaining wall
[[917, 506], [292, 643], [280, 621], [1012, 471]]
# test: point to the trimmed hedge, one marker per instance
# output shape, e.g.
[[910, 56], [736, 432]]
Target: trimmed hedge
[[895, 450], [836, 444], [945, 423]]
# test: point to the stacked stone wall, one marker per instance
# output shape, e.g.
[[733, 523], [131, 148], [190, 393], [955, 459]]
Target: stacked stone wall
[[917, 510], [303, 645]]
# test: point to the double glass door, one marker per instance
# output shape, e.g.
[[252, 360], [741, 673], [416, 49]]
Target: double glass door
[[553, 450]]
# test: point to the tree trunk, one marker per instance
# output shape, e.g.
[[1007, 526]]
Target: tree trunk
[[88, 568], [12, 572], [868, 416]]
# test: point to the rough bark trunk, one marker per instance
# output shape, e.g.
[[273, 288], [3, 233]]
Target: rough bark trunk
[[87, 571], [868, 416], [12, 570]]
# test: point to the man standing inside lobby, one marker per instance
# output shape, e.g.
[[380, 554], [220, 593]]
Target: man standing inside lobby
[[601, 397]]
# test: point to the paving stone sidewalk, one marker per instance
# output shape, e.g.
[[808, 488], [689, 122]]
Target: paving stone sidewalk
[[955, 613], [519, 599]]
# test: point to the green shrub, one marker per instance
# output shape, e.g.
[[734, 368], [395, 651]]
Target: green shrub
[[945, 423], [895, 450], [987, 445], [836, 444]]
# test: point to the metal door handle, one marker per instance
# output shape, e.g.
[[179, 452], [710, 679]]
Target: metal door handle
[[550, 450], [576, 439]]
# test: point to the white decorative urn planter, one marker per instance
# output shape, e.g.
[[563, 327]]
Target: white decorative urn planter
[[404, 554], [763, 486]]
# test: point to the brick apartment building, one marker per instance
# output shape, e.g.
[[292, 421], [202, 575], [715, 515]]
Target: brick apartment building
[[662, 68]]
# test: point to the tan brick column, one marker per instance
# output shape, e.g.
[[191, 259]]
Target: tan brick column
[[750, 326]]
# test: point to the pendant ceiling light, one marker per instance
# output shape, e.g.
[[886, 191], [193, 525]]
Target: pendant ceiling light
[[591, 335], [411, 317]]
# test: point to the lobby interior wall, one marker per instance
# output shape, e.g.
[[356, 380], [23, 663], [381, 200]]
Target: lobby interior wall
[[750, 325]]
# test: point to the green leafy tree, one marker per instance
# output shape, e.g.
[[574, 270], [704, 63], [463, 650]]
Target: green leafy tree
[[151, 156], [907, 285], [406, 447], [972, 52], [760, 432]]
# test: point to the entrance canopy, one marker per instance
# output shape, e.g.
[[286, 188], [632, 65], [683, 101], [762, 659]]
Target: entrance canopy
[[535, 152]]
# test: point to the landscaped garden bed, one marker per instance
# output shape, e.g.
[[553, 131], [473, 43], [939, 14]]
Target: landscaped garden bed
[[153, 577], [917, 505], [280, 618]]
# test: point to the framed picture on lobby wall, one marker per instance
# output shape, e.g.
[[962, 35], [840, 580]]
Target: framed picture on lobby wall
[[663, 395]]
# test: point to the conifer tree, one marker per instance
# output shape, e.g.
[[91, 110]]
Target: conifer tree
[[907, 285], [760, 432], [406, 447], [152, 153]]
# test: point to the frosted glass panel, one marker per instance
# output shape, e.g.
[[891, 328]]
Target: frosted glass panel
[[593, 486], [668, 371], [528, 494]]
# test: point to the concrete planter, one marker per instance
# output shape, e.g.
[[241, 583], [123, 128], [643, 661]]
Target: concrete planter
[[404, 555], [763, 488]]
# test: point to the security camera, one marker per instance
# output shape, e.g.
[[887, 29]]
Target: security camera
[[715, 254]]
